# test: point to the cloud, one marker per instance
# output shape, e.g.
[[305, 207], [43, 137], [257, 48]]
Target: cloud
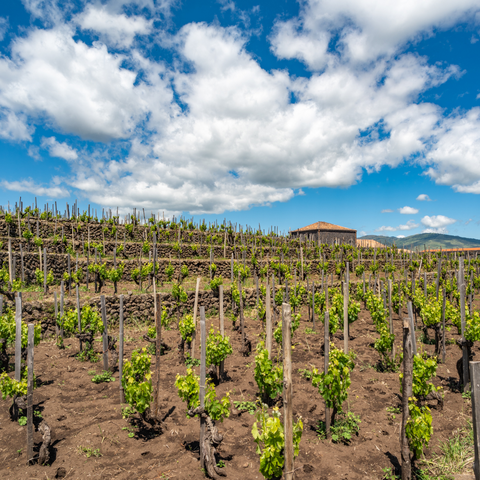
[[400, 236], [115, 29], [423, 197], [408, 210], [410, 225], [441, 230], [81, 90], [3, 27], [437, 221], [362, 31], [387, 210], [29, 186], [212, 130], [14, 126], [57, 149]]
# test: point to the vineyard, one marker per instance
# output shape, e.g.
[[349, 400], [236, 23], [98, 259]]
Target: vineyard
[[140, 347]]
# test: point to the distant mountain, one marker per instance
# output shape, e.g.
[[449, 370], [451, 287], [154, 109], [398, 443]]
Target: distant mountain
[[430, 240]]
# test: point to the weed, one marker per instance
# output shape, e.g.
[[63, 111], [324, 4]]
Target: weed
[[88, 356], [89, 452], [467, 395], [250, 407], [310, 331], [456, 456], [103, 377], [346, 426], [305, 373], [388, 474], [191, 362]]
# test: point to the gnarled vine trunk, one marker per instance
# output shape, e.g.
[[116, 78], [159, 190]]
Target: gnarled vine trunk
[[211, 441]]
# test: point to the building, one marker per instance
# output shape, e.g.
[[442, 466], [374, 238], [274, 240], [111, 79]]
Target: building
[[326, 233]]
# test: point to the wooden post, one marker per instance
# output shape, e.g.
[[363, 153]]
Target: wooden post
[[203, 360], [256, 285], [301, 263], [443, 325], [407, 393], [222, 328], [18, 337], [55, 301], [439, 271], [158, 350], [45, 287], [10, 273], [313, 305], [22, 264], [287, 391], [242, 326], [120, 352], [62, 295], [30, 393], [79, 314], [105, 333], [461, 277], [268, 321], [475, 379], [345, 317], [195, 307], [326, 363], [390, 320]]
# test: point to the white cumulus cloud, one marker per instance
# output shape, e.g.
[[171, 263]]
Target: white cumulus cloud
[[114, 28], [423, 197], [408, 210], [410, 225], [28, 185], [57, 149], [437, 221]]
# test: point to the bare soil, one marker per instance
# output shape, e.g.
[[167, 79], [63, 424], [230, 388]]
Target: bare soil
[[83, 414]]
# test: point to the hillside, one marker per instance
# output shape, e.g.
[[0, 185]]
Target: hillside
[[430, 240]]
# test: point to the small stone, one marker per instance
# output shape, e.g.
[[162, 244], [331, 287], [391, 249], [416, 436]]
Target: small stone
[[245, 465]]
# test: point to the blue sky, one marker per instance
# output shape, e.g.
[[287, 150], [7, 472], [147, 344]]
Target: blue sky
[[363, 113]]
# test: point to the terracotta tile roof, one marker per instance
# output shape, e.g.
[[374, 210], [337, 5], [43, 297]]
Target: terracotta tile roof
[[324, 226]]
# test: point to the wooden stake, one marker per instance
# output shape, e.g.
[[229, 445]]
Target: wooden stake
[[407, 393], [345, 317], [268, 321], [158, 327], [30, 393], [287, 391], [18, 337], [412, 327], [195, 307], [475, 377], [120, 352], [222, 328], [443, 324], [203, 360], [326, 339], [461, 277], [105, 332], [79, 314]]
